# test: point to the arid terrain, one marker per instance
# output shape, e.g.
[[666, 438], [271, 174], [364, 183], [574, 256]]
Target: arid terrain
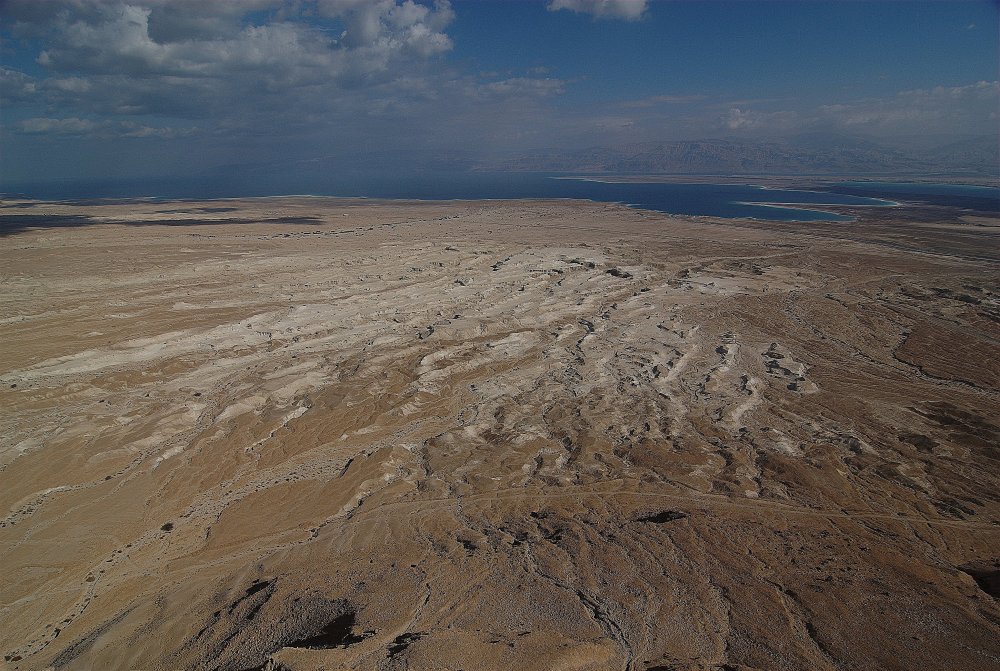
[[306, 433]]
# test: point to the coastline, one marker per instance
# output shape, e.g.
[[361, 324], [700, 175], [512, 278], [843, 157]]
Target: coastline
[[685, 202]]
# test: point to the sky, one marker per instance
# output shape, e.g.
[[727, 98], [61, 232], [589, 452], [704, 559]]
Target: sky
[[123, 88]]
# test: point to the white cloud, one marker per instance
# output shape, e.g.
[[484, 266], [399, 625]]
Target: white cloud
[[132, 129], [520, 87], [260, 78], [68, 84], [982, 90], [613, 124], [151, 37], [745, 119], [662, 100], [965, 108], [16, 86], [104, 129], [386, 24], [206, 59], [630, 10], [69, 126]]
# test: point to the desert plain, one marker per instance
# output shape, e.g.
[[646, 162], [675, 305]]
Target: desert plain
[[311, 433]]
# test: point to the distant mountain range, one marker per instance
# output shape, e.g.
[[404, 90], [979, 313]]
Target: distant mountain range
[[811, 153], [807, 154]]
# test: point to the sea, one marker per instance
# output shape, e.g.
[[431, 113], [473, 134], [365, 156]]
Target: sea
[[730, 200]]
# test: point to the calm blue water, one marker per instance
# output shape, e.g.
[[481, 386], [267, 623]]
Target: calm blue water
[[978, 198], [925, 189], [716, 200]]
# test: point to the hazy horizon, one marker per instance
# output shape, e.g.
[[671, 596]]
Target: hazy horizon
[[115, 90]]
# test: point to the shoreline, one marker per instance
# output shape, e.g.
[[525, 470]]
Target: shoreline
[[710, 208], [780, 180]]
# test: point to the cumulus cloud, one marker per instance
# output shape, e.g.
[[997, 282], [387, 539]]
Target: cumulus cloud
[[389, 24], [68, 84], [193, 59], [630, 10], [211, 39], [243, 62], [253, 79], [16, 86]]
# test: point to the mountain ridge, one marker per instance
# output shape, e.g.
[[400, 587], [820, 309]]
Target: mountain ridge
[[814, 153]]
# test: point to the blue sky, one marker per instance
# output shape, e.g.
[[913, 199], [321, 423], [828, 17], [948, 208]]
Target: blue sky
[[740, 49], [134, 87]]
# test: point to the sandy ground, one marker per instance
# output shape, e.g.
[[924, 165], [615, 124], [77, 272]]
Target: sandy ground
[[312, 433]]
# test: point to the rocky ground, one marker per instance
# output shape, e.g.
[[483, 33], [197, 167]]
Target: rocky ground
[[312, 433]]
